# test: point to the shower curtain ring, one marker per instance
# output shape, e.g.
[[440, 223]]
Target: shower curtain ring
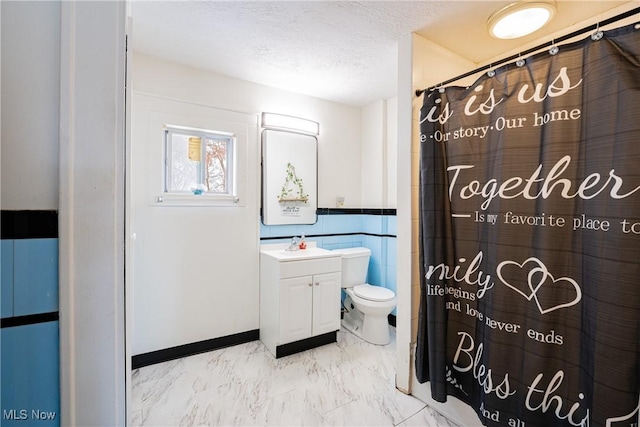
[[520, 62], [554, 49], [491, 71], [597, 34]]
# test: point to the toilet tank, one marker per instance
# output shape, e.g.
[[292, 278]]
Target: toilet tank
[[355, 264]]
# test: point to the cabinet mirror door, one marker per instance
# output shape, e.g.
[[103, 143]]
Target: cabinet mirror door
[[289, 178]]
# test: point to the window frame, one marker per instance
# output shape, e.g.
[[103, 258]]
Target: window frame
[[186, 198]]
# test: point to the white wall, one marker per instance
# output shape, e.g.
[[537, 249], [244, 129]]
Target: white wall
[[91, 216], [391, 155], [339, 140], [404, 372], [379, 146], [30, 105], [196, 269], [373, 143]]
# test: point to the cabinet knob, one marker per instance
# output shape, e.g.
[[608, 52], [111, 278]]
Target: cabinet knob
[[317, 283], [310, 284]]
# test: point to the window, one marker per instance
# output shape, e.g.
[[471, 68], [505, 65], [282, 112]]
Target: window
[[199, 162]]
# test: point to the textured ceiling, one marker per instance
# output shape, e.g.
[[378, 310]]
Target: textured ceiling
[[344, 51]]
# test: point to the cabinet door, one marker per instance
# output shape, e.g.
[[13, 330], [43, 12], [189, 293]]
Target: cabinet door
[[326, 303], [295, 303]]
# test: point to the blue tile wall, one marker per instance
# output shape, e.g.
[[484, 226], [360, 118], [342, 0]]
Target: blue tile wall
[[6, 295], [30, 375], [29, 336], [372, 224], [391, 263], [35, 287], [376, 232], [392, 225]]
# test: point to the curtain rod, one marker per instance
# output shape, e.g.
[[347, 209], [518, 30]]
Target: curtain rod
[[533, 49]]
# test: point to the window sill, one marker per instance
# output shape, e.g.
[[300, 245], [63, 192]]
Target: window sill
[[203, 200]]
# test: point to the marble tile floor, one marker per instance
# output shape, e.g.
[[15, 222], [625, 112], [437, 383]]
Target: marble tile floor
[[350, 383]]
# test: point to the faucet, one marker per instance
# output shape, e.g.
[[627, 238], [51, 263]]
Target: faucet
[[294, 245]]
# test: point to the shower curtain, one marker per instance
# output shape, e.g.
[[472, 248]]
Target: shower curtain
[[530, 238]]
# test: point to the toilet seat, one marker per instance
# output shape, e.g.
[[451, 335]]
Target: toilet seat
[[373, 293]]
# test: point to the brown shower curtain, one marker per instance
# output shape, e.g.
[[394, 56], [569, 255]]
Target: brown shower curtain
[[530, 238]]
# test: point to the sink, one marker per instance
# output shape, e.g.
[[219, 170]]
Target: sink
[[309, 253]]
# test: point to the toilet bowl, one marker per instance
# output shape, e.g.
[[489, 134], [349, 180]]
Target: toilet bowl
[[366, 306]]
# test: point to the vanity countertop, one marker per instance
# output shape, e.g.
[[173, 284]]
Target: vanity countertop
[[278, 251]]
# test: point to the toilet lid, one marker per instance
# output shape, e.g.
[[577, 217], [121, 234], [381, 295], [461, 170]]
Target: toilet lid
[[373, 293]]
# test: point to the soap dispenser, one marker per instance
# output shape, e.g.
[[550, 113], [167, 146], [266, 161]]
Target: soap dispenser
[[303, 243]]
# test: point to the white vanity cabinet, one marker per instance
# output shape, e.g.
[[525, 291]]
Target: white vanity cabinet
[[308, 306], [299, 299]]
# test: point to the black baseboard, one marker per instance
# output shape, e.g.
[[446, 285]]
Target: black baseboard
[[159, 356], [306, 344]]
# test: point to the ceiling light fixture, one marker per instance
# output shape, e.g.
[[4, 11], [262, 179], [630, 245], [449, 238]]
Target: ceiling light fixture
[[521, 18], [290, 124]]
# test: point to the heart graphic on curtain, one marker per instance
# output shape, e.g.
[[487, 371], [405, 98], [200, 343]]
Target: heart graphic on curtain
[[549, 293]]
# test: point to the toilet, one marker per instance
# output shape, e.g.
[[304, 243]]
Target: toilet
[[367, 306]]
